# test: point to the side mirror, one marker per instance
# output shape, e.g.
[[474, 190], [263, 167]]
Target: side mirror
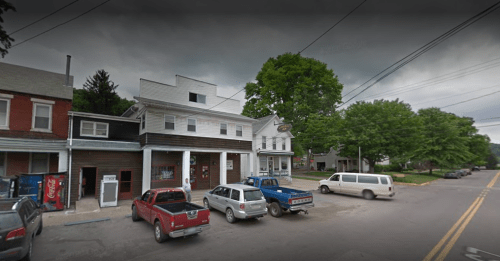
[[211, 192], [138, 198]]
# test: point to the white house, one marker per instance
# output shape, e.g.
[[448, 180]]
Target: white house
[[332, 161], [188, 131]]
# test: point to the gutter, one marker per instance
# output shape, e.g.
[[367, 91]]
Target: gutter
[[70, 158]]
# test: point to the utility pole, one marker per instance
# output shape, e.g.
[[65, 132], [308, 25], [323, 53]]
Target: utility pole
[[360, 169]]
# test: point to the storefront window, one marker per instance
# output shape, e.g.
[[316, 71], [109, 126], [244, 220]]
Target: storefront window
[[284, 163], [159, 173], [263, 163]]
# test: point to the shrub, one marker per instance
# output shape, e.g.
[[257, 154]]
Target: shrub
[[331, 169]]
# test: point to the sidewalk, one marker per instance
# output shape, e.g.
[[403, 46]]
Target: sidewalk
[[88, 208]]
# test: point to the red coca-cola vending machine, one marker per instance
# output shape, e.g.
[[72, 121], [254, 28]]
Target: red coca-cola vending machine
[[54, 192]]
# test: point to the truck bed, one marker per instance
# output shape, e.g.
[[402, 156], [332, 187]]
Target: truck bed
[[180, 207], [294, 193]]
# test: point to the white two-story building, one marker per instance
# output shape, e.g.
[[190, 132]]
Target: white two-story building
[[188, 131]]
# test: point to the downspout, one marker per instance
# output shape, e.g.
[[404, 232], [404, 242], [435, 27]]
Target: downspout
[[70, 158]]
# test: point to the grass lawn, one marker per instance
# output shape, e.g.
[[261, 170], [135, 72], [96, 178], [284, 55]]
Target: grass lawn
[[315, 179], [411, 177], [320, 174]]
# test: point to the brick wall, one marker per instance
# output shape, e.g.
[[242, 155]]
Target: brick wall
[[234, 175], [17, 163]]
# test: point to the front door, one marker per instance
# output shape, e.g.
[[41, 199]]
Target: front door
[[334, 183], [192, 173], [125, 185]]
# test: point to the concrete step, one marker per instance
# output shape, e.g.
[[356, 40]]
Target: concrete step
[[87, 204]]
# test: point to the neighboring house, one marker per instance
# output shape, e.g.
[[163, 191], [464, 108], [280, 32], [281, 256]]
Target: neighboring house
[[188, 131], [331, 160], [104, 145], [34, 107], [271, 149]]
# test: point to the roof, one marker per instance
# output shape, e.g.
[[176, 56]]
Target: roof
[[256, 127], [239, 186], [102, 116], [33, 81]]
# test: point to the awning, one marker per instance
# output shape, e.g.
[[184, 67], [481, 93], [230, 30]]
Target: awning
[[275, 153]]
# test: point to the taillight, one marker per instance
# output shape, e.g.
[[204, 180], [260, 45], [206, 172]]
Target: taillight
[[390, 189], [290, 201], [242, 206], [15, 234], [172, 224]]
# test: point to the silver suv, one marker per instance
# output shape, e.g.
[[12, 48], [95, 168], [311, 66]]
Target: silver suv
[[237, 201]]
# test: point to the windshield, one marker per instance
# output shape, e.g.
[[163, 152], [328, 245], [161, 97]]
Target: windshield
[[169, 196], [252, 195]]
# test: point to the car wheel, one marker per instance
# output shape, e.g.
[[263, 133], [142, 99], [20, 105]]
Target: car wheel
[[325, 190], [40, 228], [160, 237], [230, 216], [368, 195], [135, 216], [276, 210], [27, 257], [206, 204], [294, 212]]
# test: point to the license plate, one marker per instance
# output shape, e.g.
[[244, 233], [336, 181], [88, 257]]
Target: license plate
[[256, 206], [302, 200], [190, 230]]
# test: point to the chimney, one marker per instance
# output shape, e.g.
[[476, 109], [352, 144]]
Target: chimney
[[68, 61]]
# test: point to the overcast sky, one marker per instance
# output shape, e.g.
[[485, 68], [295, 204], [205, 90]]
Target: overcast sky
[[227, 42]]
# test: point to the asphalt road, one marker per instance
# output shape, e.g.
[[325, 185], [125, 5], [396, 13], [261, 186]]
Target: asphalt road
[[340, 227]]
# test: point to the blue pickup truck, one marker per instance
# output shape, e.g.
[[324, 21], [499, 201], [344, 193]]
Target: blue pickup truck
[[281, 199]]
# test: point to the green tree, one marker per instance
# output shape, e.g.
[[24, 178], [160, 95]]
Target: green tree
[[443, 143], [293, 87], [99, 96], [382, 129], [492, 161], [5, 39]]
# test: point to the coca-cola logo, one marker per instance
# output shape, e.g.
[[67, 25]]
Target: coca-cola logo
[[51, 184]]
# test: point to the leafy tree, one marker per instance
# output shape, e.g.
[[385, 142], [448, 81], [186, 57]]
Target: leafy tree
[[5, 39], [293, 87], [443, 143], [382, 129], [479, 146], [492, 161], [99, 96], [495, 148]]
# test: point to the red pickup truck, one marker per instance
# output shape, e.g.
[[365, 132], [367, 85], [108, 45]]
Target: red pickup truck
[[170, 213]]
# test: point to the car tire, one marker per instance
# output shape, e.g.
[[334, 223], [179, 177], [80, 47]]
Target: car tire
[[40, 228], [324, 189], [206, 204], [160, 237], [135, 216], [367, 194], [27, 257], [230, 216], [276, 210], [294, 212]]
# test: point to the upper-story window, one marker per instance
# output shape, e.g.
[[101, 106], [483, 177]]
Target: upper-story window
[[223, 128], [143, 121], [274, 143], [264, 145], [169, 122], [199, 98], [5, 110], [239, 130], [42, 115], [283, 144], [192, 125], [94, 129]]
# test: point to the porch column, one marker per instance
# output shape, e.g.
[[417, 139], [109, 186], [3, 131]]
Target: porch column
[[250, 164], [186, 159], [289, 165], [63, 161], [223, 168], [146, 170]]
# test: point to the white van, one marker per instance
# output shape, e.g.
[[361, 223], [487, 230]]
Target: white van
[[368, 185]]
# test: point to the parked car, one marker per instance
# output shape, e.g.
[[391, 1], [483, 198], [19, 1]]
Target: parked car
[[475, 168], [280, 198], [368, 185], [467, 171], [462, 172], [237, 201], [20, 222], [170, 213], [452, 175]]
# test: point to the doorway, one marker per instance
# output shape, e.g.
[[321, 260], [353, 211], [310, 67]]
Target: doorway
[[89, 181], [270, 163], [125, 190], [192, 173]]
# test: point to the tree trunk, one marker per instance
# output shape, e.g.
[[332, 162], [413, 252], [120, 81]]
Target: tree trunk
[[308, 163], [372, 166]]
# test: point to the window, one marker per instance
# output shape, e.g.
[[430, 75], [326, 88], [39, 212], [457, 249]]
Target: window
[[335, 178], [39, 162], [94, 129], [217, 191], [42, 117], [284, 163], [169, 196], [225, 192], [151, 198], [252, 195], [223, 128], [239, 130], [283, 144], [169, 122], [192, 125], [264, 145], [263, 163], [3, 155], [367, 179], [4, 113], [383, 180], [145, 196], [274, 143], [143, 121], [160, 173], [348, 178], [199, 98], [235, 194]]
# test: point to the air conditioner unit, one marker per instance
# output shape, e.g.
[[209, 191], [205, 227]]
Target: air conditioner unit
[[109, 191]]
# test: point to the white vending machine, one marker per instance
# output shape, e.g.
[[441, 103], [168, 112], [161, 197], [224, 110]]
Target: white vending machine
[[109, 191]]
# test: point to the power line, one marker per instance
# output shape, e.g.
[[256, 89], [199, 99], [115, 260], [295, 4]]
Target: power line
[[43, 17], [469, 100], [90, 10], [458, 94], [425, 48]]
